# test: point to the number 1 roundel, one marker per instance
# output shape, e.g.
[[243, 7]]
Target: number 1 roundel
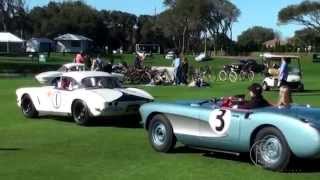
[[219, 121]]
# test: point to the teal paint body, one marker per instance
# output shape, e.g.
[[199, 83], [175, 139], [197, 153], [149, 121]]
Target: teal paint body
[[299, 124]]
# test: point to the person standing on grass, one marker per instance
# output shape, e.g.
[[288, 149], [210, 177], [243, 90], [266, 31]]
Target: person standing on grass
[[138, 61], [176, 64], [184, 70], [283, 72], [79, 58]]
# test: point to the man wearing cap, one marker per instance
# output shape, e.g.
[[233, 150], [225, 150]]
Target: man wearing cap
[[257, 100]]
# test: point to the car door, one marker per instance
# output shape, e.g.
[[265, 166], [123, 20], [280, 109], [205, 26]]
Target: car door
[[44, 99], [220, 126], [63, 95]]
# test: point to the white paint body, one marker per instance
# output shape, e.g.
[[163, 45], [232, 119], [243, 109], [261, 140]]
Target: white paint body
[[50, 100], [48, 77]]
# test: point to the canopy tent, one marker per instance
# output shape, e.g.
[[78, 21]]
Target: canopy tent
[[73, 43], [10, 42], [72, 37]]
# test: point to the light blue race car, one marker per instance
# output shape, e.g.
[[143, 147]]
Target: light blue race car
[[272, 135]]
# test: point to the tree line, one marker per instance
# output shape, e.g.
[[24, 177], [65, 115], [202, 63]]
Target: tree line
[[186, 25]]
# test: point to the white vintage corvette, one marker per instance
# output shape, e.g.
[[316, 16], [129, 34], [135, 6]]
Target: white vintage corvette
[[82, 95], [51, 77]]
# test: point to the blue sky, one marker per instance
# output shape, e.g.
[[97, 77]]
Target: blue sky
[[253, 12]]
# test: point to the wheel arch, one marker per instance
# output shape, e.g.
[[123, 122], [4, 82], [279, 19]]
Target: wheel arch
[[25, 94], [73, 102], [31, 98], [148, 119], [257, 129]]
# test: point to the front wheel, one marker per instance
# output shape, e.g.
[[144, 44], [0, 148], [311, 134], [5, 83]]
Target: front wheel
[[161, 134], [233, 76], [80, 113], [28, 108], [271, 150], [250, 75]]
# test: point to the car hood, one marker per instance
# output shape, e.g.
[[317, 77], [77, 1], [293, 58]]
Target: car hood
[[129, 94], [307, 113]]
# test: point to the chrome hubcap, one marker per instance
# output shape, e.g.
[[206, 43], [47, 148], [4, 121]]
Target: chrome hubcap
[[271, 150], [159, 134]]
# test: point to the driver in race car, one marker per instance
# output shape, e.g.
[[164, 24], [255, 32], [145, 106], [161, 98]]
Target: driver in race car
[[257, 100]]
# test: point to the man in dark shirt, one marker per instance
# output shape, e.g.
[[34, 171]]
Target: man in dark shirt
[[257, 100]]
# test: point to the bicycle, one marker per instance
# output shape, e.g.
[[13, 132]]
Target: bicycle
[[228, 72], [246, 75]]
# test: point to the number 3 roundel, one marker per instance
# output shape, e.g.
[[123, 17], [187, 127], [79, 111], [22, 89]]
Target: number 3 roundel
[[219, 121]]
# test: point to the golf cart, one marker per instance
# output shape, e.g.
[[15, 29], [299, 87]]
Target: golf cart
[[273, 63]]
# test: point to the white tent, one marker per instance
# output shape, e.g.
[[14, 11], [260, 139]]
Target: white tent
[[10, 43], [72, 43]]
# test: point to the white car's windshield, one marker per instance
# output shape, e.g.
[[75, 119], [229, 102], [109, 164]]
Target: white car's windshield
[[72, 68], [62, 69], [101, 82]]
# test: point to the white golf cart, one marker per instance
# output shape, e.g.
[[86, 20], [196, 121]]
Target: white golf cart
[[273, 62]]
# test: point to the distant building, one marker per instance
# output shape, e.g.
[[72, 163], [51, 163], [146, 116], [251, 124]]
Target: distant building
[[40, 45], [10, 43], [274, 42], [72, 43]]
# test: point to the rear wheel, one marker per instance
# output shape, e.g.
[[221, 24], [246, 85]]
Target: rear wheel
[[80, 113], [271, 150], [161, 134], [223, 75], [27, 107]]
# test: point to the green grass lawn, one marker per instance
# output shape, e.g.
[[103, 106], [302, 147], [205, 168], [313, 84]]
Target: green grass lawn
[[57, 148]]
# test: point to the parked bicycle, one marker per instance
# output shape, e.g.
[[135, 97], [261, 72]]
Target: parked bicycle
[[229, 72], [138, 76], [246, 75]]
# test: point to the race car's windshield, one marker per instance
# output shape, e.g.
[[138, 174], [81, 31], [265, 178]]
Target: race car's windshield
[[62, 69], [72, 68], [101, 82]]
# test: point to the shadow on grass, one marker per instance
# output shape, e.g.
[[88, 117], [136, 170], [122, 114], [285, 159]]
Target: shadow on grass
[[304, 166], [10, 149], [315, 92], [186, 150], [296, 165], [211, 154], [119, 122]]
